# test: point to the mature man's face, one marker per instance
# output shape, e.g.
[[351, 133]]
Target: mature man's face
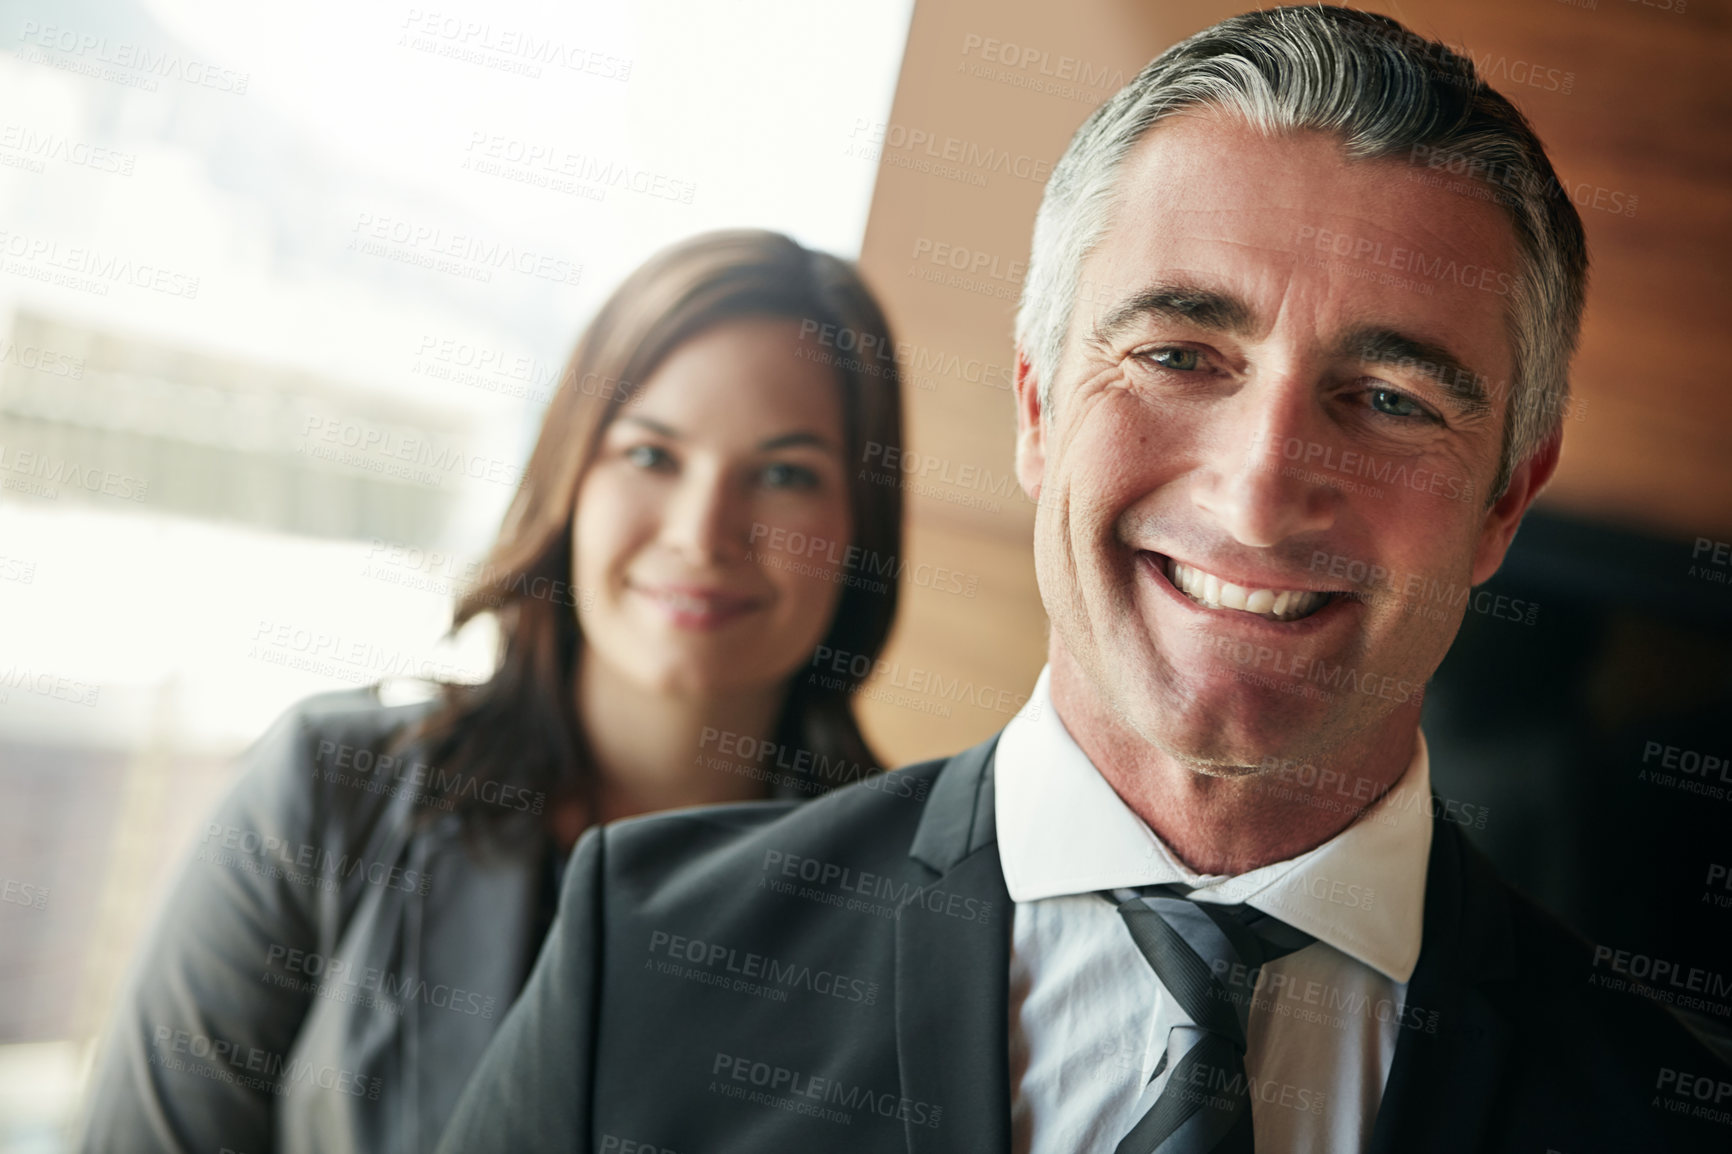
[[1285, 372]]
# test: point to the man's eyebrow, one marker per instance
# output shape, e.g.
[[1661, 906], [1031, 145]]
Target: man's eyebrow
[[1378, 346], [1204, 308]]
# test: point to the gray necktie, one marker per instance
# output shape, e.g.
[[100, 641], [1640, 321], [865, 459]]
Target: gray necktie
[[1208, 957]]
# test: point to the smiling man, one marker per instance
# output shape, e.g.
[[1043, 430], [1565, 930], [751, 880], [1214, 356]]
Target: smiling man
[[1282, 395], [1202, 431]]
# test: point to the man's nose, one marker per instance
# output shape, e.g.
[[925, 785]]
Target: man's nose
[[703, 520], [1271, 461]]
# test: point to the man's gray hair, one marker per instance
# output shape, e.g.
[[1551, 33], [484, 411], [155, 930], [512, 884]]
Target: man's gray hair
[[1386, 92]]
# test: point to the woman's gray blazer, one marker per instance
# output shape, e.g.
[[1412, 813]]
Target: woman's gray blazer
[[327, 969]]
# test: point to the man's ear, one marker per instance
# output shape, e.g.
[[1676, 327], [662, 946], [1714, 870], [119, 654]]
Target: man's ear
[[1505, 515], [1030, 429]]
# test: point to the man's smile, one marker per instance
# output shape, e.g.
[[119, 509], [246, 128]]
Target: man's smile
[[1280, 602], [1212, 592]]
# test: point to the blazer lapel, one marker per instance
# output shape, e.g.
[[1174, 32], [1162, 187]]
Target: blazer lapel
[[953, 970], [1442, 1085], [467, 962]]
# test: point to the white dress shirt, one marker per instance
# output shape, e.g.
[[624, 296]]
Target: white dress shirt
[[1089, 1020]]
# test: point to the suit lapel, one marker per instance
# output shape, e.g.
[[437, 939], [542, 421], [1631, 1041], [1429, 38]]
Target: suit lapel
[[1442, 1085], [952, 969]]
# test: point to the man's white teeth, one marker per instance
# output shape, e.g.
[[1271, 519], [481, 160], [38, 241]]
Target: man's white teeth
[[1275, 604]]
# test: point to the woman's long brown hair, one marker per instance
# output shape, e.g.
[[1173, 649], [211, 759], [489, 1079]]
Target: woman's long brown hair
[[517, 736]]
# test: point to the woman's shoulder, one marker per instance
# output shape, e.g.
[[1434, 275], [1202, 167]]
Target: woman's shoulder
[[332, 754], [339, 724]]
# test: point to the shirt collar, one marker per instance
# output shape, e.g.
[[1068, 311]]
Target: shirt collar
[[1062, 830]]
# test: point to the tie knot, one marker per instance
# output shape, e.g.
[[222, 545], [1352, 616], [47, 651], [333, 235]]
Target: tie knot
[[1207, 957], [1237, 934]]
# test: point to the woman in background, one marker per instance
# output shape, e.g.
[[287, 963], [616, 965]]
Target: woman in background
[[368, 899]]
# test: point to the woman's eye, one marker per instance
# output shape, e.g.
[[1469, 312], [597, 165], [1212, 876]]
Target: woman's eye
[[648, 456], [785, 476], [1394, 404], [1182, 360]]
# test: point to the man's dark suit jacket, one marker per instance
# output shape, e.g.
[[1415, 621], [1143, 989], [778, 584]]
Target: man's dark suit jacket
[[833, 977]]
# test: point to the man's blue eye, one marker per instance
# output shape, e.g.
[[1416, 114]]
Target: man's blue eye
[[1392, 403], [1184, 360]]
